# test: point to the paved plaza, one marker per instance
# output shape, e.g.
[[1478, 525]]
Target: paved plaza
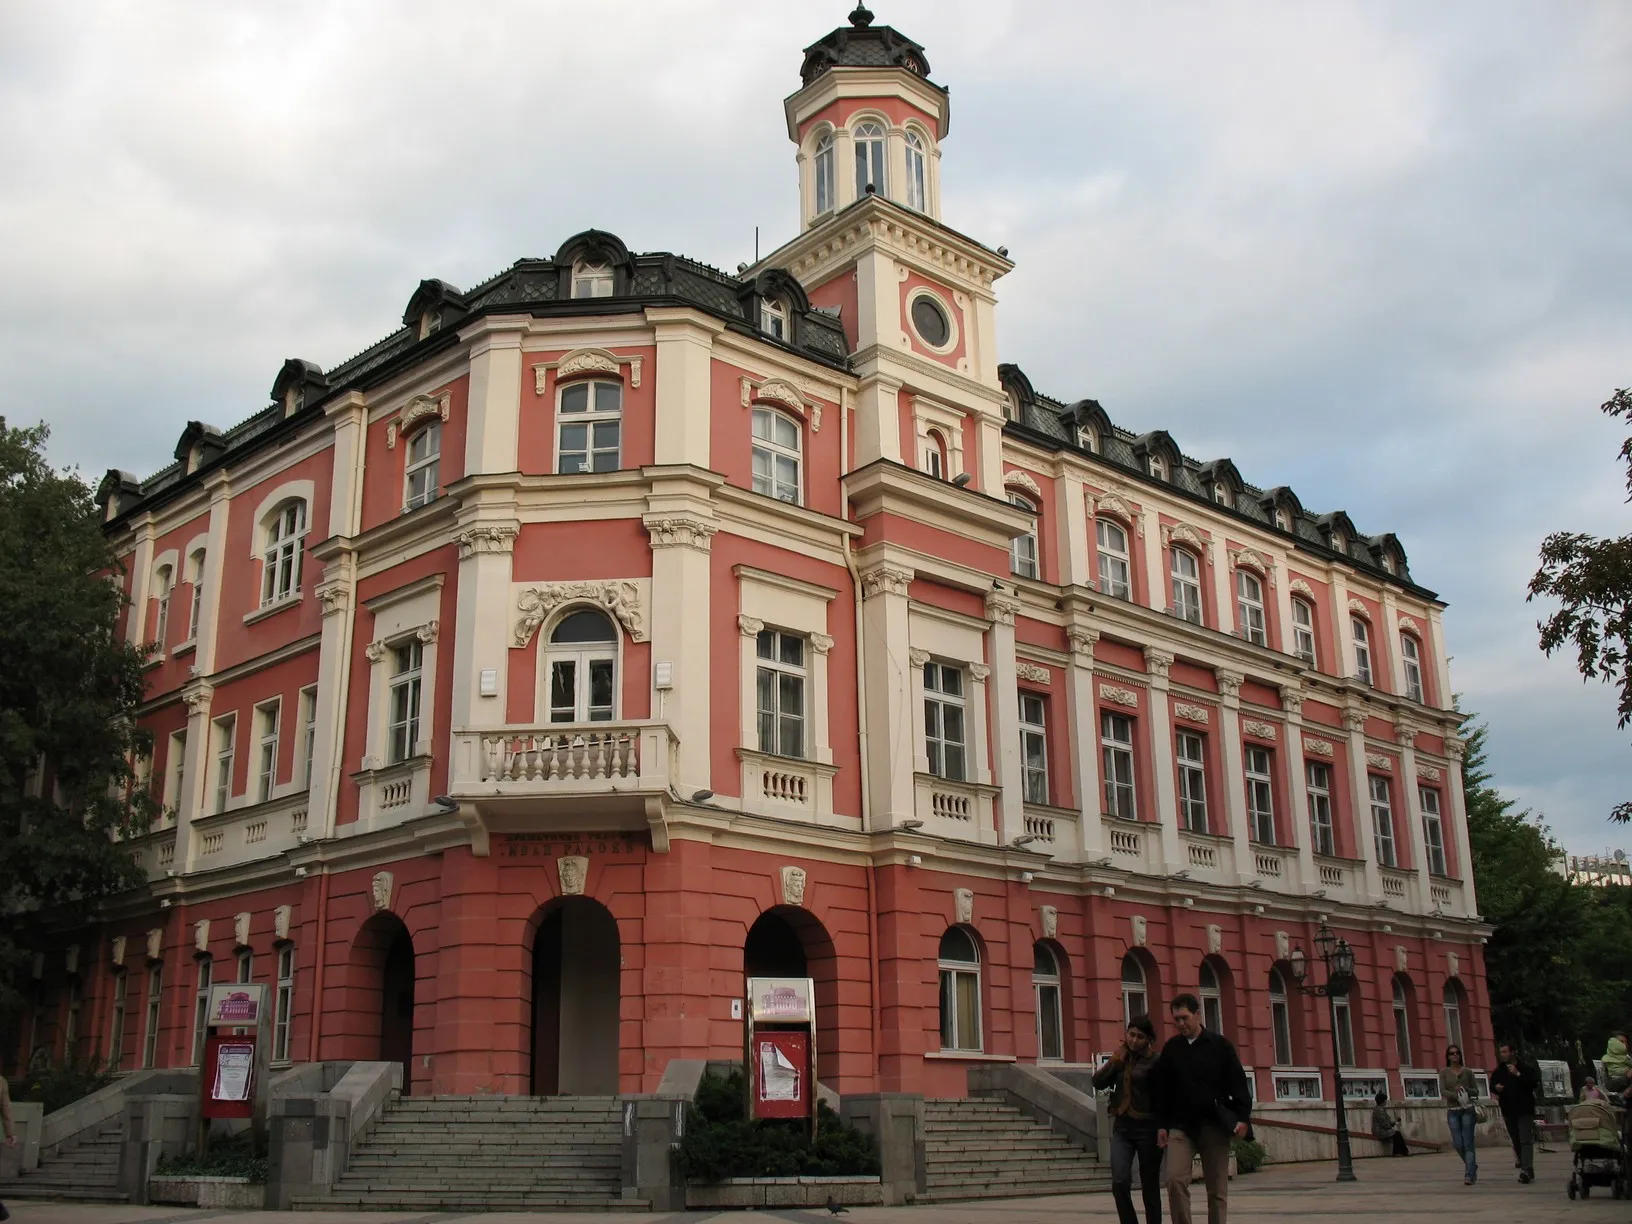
[[1426, 1187]]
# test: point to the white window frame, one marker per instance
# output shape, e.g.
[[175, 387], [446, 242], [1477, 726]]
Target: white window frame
[[773, 319], [953, 973], [152, 1014], [1088, 439], [774, 484], [1186, 587], [422, 464], [1121, 794], [1156, 466], [771, 672], [1221, 493], [791, 606], [1382, 819], [1420, 1087], [404, 730], [1322, 832], [1280, 1020], [116, 1019], [1402, 1022], [1023, 560], [284, 553], [224, 733], [1047, 994], [1249, 607], [1190, 754], [1433, 830], [1108, 558], [1297, 1084], [825, 159], [582, 656], [308, 734], [175, 771], [205, 965], [1258, 768], [245, 966], [1283, 520], [268, 727], [1135, 990], [593, 280], [935, 455], [195, 605], [939, 700], [284, 1003], [1034, 747], [1303, 631], [1411, 657], [409, 612], [167, 588], [1361, 632], [1343, 1018], [593, 415], [870, 141], [1211, 993], [1451, 1002], [917, 163]]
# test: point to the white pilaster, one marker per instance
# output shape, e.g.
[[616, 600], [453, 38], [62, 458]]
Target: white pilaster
[[1071, 507], [1341, 635], [1218, 569], [681, 587], [1455, 749], [1085, 741], [141, 577], [190, 803], [336, 597], [1159, 735], [493, 422], [1388, 635], [482, 641], [1354, 721], [1005, 715], [1440, 663], [894, 697], [1405, 736], [685, 359], [1233, 765], [878, 421], [1297, 787], [215, 551], [1158, 581]]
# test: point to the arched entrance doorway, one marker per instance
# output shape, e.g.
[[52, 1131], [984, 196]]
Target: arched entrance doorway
[[790, 942], [383, 959], [577, 962]]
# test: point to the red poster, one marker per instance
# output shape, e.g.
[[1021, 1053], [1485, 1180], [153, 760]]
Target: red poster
[[781, 1070]]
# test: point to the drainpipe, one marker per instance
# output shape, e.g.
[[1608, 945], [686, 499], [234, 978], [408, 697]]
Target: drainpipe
[[322, 960]]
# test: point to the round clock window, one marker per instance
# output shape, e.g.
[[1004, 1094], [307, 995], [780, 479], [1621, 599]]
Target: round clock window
[[930, 321]]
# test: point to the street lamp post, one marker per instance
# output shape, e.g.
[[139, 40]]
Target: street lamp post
[[1339, 961]]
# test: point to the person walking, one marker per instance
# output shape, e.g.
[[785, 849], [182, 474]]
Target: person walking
[[1457, 1087], [1514, 1083], [1385, 1128], [1133, 1130], [9, 1126], [1201, 1100]]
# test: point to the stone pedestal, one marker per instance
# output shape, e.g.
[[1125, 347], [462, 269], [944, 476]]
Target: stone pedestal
[[896, 1122]]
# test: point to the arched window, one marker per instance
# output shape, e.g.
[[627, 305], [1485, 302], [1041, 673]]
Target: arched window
[[1212, 998], [1157, 467], [1280, 1019], [1453, 1013], [1045, 983], [280, 571], [826, 176], [1135, 992], [1283, 520], [1112, 558], [1411, 654], [935, 454], [1249, 606], [423, 461], [167, 586], [1186, 574], [1303, 630], [773, 319], [776, 455], [869, 141], [591, 426], [960, 991], [591, 280], [917, 193], [1362, 649], [1023, 548], [195, 576], [1088, 439], [583, 664], [1402, 1019]]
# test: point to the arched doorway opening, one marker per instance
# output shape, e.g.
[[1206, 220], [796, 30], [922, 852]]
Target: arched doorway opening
[[383, 960], [577, 963], [790, 942]]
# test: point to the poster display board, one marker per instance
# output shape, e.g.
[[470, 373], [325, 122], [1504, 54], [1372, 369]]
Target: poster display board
[[780, 1049], [229, 1078], [1555, 1080], [232, 1080]]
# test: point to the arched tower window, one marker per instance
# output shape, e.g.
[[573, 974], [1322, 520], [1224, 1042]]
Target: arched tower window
[[869, 142], [917, 189], [583, 663], [826, 174]]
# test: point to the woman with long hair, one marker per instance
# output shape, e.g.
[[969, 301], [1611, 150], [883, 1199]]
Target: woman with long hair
[[1460, 1092]]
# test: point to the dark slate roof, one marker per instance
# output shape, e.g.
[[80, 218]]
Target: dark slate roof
[[863, 45], [539, 287], [1053, 423]]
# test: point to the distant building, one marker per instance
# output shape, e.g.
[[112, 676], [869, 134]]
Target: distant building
[[618, 627], [1599, 870]]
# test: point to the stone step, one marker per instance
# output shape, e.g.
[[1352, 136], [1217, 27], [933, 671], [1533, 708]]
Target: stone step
[[564, 1159], [66, 1193], [468, 1202], [1007, 1191]]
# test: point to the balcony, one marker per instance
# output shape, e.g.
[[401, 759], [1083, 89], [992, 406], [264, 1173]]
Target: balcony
[[1447, 895], [1340, 879], [154, 852], [1207, 857], [1276, 866], [1134, 844], [790, 788], [959, 810], [1053, 832], [1398, 886], [241, 835]]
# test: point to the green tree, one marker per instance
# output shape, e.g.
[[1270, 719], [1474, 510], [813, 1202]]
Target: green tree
[[1592, 581], [69, 689]]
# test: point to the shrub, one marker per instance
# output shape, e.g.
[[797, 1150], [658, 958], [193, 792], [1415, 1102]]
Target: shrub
[[55, 1085], [1250, 1155], [228, 1156], [721, 1141]]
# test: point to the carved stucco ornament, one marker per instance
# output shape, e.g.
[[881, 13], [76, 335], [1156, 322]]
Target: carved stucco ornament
[[1119, 696], [381, 887], [1050, 921], [1215, 939], [586, 361], [793, 886], [574, 872], [1140, 929], [620, 597], [280, 921], [155, 943], [781, 391], [963, 905], [1032, 672]]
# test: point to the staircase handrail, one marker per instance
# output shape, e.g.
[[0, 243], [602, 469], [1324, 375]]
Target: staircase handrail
[[91, 1113], [1068, 1110]]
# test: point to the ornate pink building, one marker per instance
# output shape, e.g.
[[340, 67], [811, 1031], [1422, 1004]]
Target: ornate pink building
[[618, 627]]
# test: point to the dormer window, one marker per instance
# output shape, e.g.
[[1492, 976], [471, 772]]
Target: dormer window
[[1157, 467], [1011, 407], [917, 195], [1283, 520], [591, 280], [1388, 563], [773, 319], [1221, 493], [869, 142], [429, 323], [1088, 439], [1339, 544], [297, 400]]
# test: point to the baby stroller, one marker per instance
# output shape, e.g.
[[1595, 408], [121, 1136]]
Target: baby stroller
[[1599, 1150]]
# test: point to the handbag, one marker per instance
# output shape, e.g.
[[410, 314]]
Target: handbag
[[1480, 1117]]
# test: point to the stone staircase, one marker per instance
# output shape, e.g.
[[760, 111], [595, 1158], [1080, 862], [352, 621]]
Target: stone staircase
[[485, 1153], [978, 1149], [86, 1173]]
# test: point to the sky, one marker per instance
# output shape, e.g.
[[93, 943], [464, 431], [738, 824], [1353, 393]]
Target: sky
[[1379, 252]]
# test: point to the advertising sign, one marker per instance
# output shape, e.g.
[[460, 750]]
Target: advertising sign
[[236, 1004], [229, 1076], [781, 1070], [1555, 1080], [781, 1000]]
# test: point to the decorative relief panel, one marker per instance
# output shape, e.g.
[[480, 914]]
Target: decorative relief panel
[[1402, 961], [117, 952], [1195, 713], [793, 886], [682, 532], [381, 886], [1300, 587], [420, 408], [201, 935], [1024, 482], [155, 944], [1119, 696], [586, 361], [1357, 607], [1410, 623], [620, 597], [1140, 929], [1318, 747], [1429, 773], [1050, 917], [1034, 673], [1184, 533], [1215, 939], [781, 391], [240, 929], [1262, 730], [280, 921], [1253, 559], [1110, 503], [573, 870], [1378, 761], [1453, 963], [1283, 946]]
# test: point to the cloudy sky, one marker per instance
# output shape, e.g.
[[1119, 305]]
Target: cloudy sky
[[1381, 252]]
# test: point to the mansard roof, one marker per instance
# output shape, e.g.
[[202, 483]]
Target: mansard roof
[[541, 287], [863, 45], [1053, 423]]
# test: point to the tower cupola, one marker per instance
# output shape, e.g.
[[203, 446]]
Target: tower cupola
[[867, 120]]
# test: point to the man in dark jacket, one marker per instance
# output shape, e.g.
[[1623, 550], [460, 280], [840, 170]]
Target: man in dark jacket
[[1513, 1083], [1201, 1100]]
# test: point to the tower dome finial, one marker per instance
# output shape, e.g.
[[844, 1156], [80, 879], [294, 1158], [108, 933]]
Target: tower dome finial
[[862, 16]]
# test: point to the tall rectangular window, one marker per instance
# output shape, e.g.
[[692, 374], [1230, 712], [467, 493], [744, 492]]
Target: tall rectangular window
[[943, 720], [1116, 755], [1411, 653], [284, 1006], [1345, 1032], [150, 1025], [1260, 796], [70, 1024], [1382, 820], [1362, 649], [308, 734], [1186, 574], [1249, 607], [776, 454], [196, 602], [267, 717], [1319, 779], [226, 737], [780, 683], [201, 1008], [175, 772], [590, 425], [1034, 747], [1023, 548], [423, 465], [407, 678], [1112, 558], [1433, 830], [167, 588], [1303, 631], [1192, 755], [280, 565], [116, 1021]]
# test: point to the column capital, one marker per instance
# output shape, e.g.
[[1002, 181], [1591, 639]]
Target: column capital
[[1082, 640], [197, 698], [1292, 700], [1455, 748], [1229, 682], [682, 532], [1405, 735], [488, 538], [885, 580], [749, 626], [980, 672], [1001, 608], [1158, 662], [333, 596], [917, 657], [821, 643], [1354, 720]]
